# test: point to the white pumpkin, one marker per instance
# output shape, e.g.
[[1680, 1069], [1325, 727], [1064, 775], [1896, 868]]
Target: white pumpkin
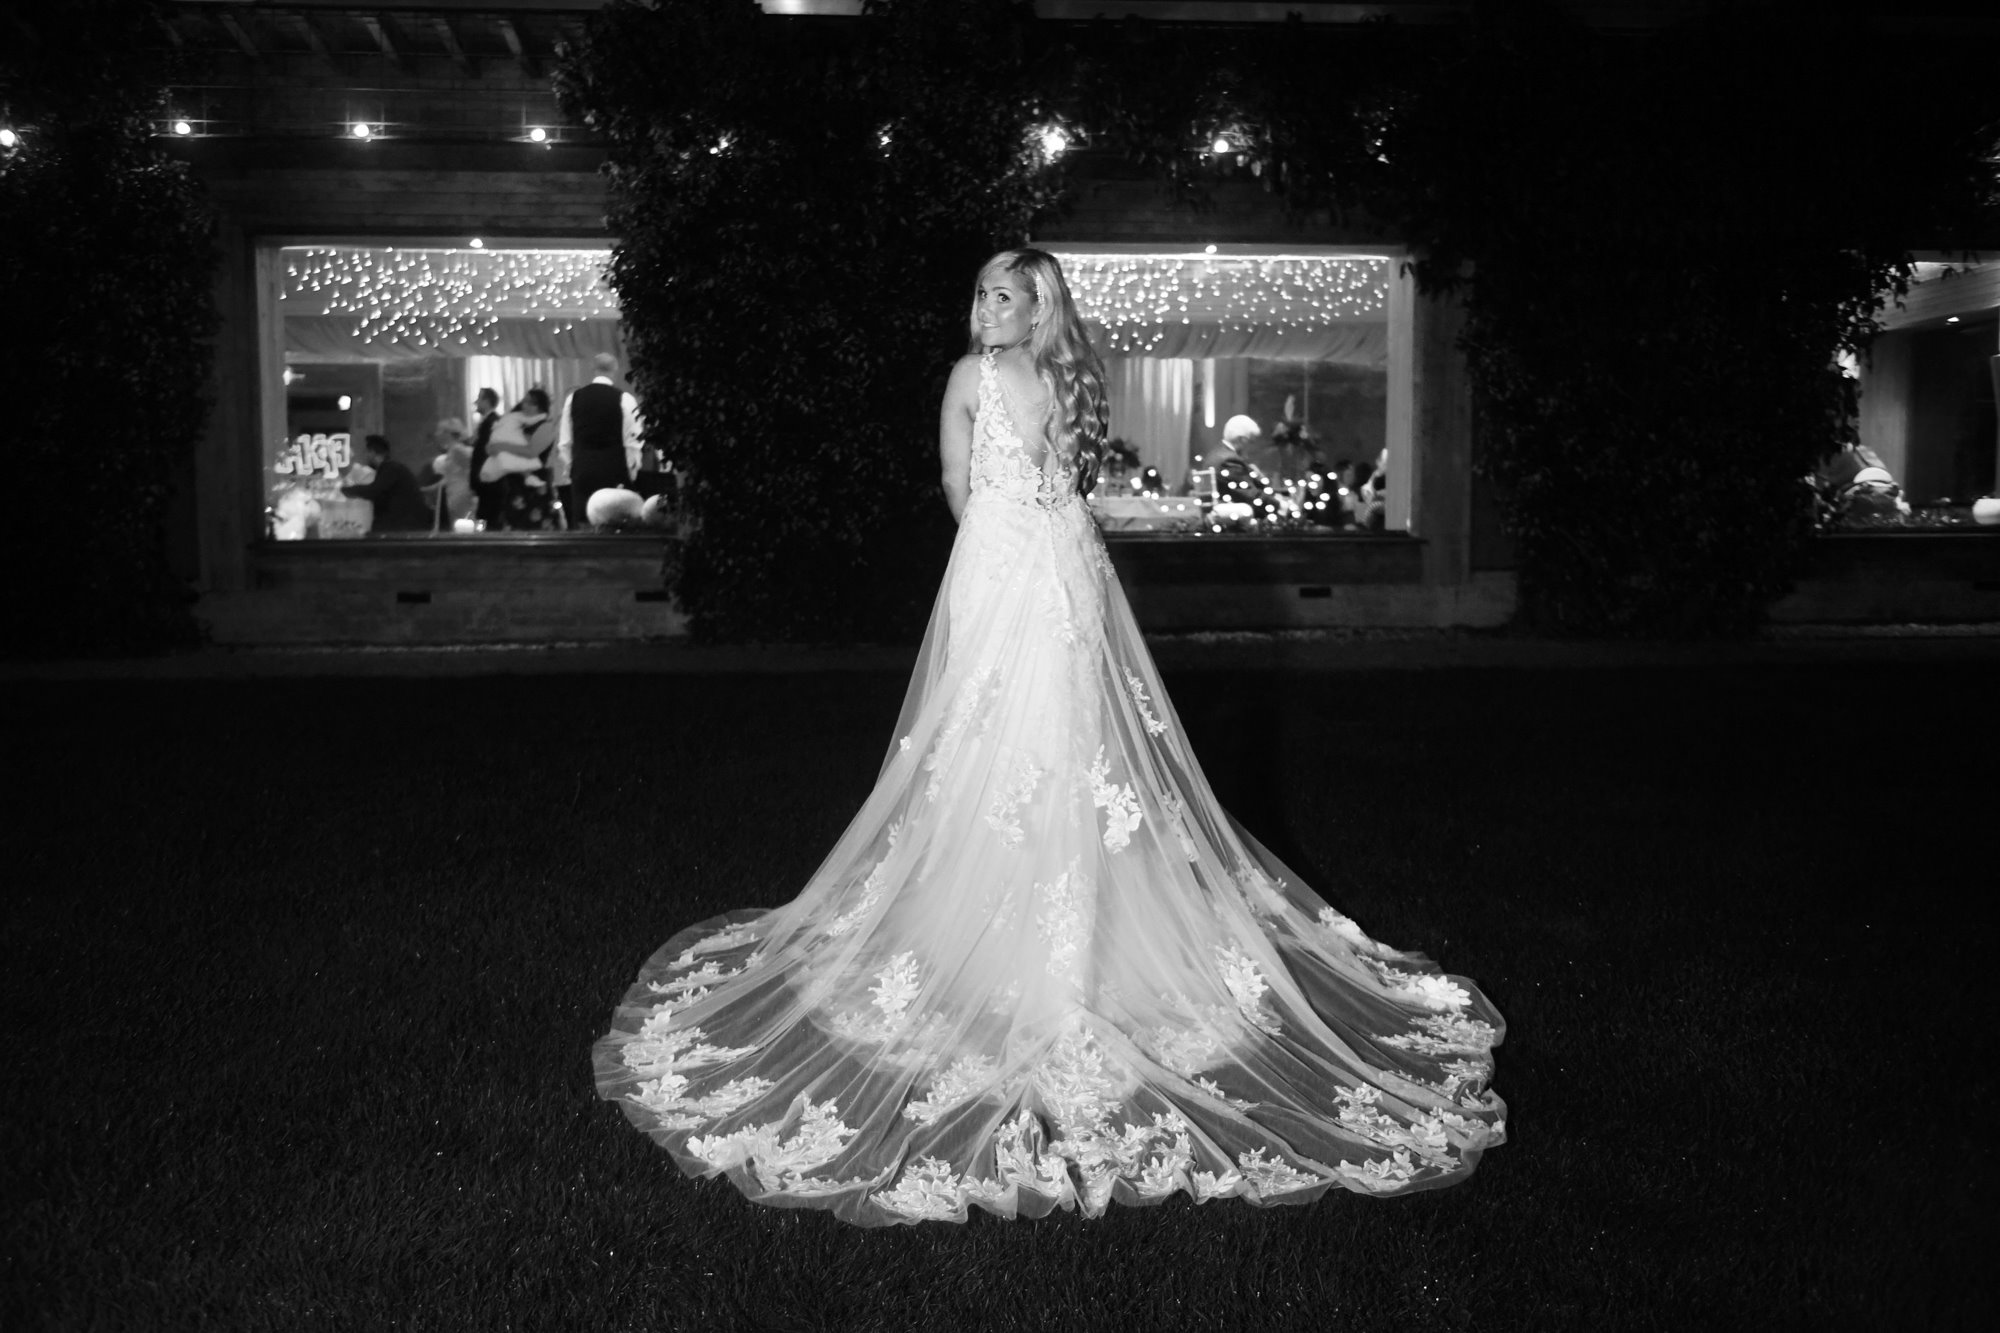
[[614, 507]]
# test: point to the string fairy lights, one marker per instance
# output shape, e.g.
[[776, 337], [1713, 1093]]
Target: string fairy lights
[[440, 297], [1133, 298]]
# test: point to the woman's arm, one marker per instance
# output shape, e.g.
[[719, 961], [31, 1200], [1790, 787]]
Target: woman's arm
[[961, 400], [512, 438]]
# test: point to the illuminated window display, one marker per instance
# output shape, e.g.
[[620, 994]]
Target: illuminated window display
[[458, 360], [1249, 392], [1928, 448], [1252, 392]]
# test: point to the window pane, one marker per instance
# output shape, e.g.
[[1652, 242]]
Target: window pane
[[424, 389]]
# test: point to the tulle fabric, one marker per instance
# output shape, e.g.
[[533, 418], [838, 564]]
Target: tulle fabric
[[1042, 967]]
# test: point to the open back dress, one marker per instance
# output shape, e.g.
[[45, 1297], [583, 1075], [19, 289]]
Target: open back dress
[[1043, 967]]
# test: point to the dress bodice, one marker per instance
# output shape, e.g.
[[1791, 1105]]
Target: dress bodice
[[1043, 967], [1002, 467]]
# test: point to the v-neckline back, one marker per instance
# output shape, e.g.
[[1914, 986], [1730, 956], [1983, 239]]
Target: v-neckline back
[[1014, 419]]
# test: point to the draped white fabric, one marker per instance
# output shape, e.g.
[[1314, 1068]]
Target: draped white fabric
[[1353, 344], [513, 376], [1042, 967], [1152, 404], [332, 338]]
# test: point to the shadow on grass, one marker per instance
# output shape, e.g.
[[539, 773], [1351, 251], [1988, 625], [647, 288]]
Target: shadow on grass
[[307, 974]]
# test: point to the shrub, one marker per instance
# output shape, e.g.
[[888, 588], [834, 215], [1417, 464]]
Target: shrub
[[1668, 241], [106, 258], [800, 209], [1662, 242]]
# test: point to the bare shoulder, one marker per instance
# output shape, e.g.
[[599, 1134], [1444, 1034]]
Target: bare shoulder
[[963, 386], [966, 371]]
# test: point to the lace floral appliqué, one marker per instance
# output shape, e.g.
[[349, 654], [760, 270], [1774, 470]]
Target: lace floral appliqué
[[1065, 918], [1119, 804], [1139, 701], [1004, 815], [780, 1165], [1247, 986]]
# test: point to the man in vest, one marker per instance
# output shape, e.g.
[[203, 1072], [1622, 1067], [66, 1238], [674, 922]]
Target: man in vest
[[598, 438], [486, 507]]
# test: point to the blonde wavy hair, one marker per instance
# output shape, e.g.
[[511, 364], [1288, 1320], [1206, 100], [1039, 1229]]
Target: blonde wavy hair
[[1078, 416]]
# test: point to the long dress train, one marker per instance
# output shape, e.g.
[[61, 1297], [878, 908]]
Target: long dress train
[[1043, 967]]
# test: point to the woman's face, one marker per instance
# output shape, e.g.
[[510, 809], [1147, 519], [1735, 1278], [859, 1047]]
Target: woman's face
[[1005, 308]]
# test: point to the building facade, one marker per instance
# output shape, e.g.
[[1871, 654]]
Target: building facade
[[407, 219]]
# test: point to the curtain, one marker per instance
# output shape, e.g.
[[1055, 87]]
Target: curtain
[[1355, 344], [331, 338], [1152, 402], [513, 376]]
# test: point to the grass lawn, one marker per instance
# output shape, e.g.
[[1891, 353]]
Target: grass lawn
[[304, 976]]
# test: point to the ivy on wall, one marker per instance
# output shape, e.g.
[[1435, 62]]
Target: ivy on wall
[[106, 261], [801, 207], [1662, 242]]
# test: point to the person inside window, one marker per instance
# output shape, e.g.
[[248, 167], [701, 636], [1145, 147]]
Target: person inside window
[[450, 468], [598, 440], [1239, 479], [1043, 968], [1856, 488], [486, 411], [516, 465], [398, 500]]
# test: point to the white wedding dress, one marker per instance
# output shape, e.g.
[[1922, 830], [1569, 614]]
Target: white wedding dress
[[1043, 967]]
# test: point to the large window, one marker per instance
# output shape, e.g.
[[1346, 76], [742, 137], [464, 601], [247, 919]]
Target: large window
[[1253, 391], [1929, 434], [421, 389]]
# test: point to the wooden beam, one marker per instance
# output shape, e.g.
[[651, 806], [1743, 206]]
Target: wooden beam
[[315, 38], [236, 30], [166, 25], [512, 35], [384, 33], [449, 36]]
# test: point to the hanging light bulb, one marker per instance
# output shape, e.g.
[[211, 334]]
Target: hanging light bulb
[[1055, 142], [362, 130], [1222, 145], [537, 134], [182, 127], [8, 138]]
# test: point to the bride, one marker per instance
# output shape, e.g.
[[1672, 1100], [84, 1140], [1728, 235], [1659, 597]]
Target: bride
[[1043, 967]]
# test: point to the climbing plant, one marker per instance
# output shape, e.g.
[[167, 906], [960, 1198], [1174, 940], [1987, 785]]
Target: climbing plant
[[106, 257], [800, 209], [1662, 242]]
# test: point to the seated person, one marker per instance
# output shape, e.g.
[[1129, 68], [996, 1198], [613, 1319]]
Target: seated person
[[1237, 477], [452, 468], [1854, 485], [1294, 452], [1374, 512], [399, 502]]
